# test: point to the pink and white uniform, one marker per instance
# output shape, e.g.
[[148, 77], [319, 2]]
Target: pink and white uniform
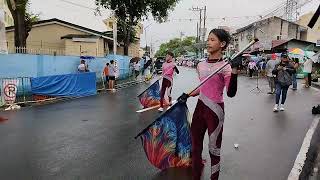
[[209, 115], [168, 69]]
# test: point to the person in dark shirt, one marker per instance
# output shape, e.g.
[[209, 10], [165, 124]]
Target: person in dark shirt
[[283, 72]]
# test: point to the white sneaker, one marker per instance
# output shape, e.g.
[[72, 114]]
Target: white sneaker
[[160, 109], [276, 108], [282, 107]]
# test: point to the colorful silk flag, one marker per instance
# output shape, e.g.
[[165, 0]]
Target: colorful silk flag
[[151, 96], [167, 141]]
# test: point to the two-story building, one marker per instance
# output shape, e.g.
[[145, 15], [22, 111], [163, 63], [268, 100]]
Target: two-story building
[[268, 31], [8, 20], [313, 34]]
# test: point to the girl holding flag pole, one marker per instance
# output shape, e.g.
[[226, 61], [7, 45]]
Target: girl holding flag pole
[[167, 140], [168, 69], [209, 112]]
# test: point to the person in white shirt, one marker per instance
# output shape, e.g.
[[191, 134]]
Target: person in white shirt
[[112, 75], [307, 69], [82, 66], [271, 77], [137, 67]]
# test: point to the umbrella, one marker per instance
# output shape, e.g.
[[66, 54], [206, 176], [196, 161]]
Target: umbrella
[[255, 58], [316, 57], [296, 51], [309, 54], [246, 55], [87, 57]]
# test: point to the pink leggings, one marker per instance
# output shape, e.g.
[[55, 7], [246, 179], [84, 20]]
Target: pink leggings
[[205, 118]]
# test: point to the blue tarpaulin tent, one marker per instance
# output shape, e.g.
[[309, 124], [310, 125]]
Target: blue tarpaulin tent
[[68, 85]]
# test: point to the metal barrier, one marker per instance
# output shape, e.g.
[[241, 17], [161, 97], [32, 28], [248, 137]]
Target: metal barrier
[[20, 86], [24, 94]]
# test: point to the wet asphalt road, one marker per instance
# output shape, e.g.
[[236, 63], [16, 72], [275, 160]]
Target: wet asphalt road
[[92, 138]]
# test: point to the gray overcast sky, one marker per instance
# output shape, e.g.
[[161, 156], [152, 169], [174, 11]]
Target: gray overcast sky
[[160, 33]]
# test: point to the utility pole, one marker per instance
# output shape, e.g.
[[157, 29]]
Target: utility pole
[[204, 28], [145, 31], [114, 21], [291, 10], [197, 39], [200, 30], [115, 39]]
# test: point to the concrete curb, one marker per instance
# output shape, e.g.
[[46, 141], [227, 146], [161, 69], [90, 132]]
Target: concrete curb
[[305, 160]]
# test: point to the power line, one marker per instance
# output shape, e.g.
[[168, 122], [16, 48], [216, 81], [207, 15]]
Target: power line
[[79, 5]]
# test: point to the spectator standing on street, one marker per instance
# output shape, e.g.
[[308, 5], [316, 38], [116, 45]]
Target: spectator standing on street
[[106, 74], [295, 64], [263, 68], [252, 67], [307, 69], [82, 66], [271, 64], [283, 72], [137, 68], [147, 67], [112, 75]]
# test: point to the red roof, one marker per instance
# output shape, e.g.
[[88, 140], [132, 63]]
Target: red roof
[[276, 43]]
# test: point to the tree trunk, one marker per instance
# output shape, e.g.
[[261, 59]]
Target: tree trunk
[[126, 42], [18, 12], [20, 34]]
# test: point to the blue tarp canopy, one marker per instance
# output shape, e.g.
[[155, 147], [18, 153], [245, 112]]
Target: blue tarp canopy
[[87, 57], [69, 85]]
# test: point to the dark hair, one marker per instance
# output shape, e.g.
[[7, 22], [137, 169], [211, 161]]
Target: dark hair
[[222, 35], [112, 61], [170, 53], [107, 64]]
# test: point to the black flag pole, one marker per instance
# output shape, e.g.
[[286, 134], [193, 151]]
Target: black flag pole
[[314, 18], [205, 80]]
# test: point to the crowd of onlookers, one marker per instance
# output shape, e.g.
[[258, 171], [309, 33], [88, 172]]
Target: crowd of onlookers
[[264, 65], [281, 73]]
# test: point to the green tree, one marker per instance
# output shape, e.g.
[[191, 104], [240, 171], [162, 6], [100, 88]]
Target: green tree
[[178, 47], [130, 12], [23, 21]]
